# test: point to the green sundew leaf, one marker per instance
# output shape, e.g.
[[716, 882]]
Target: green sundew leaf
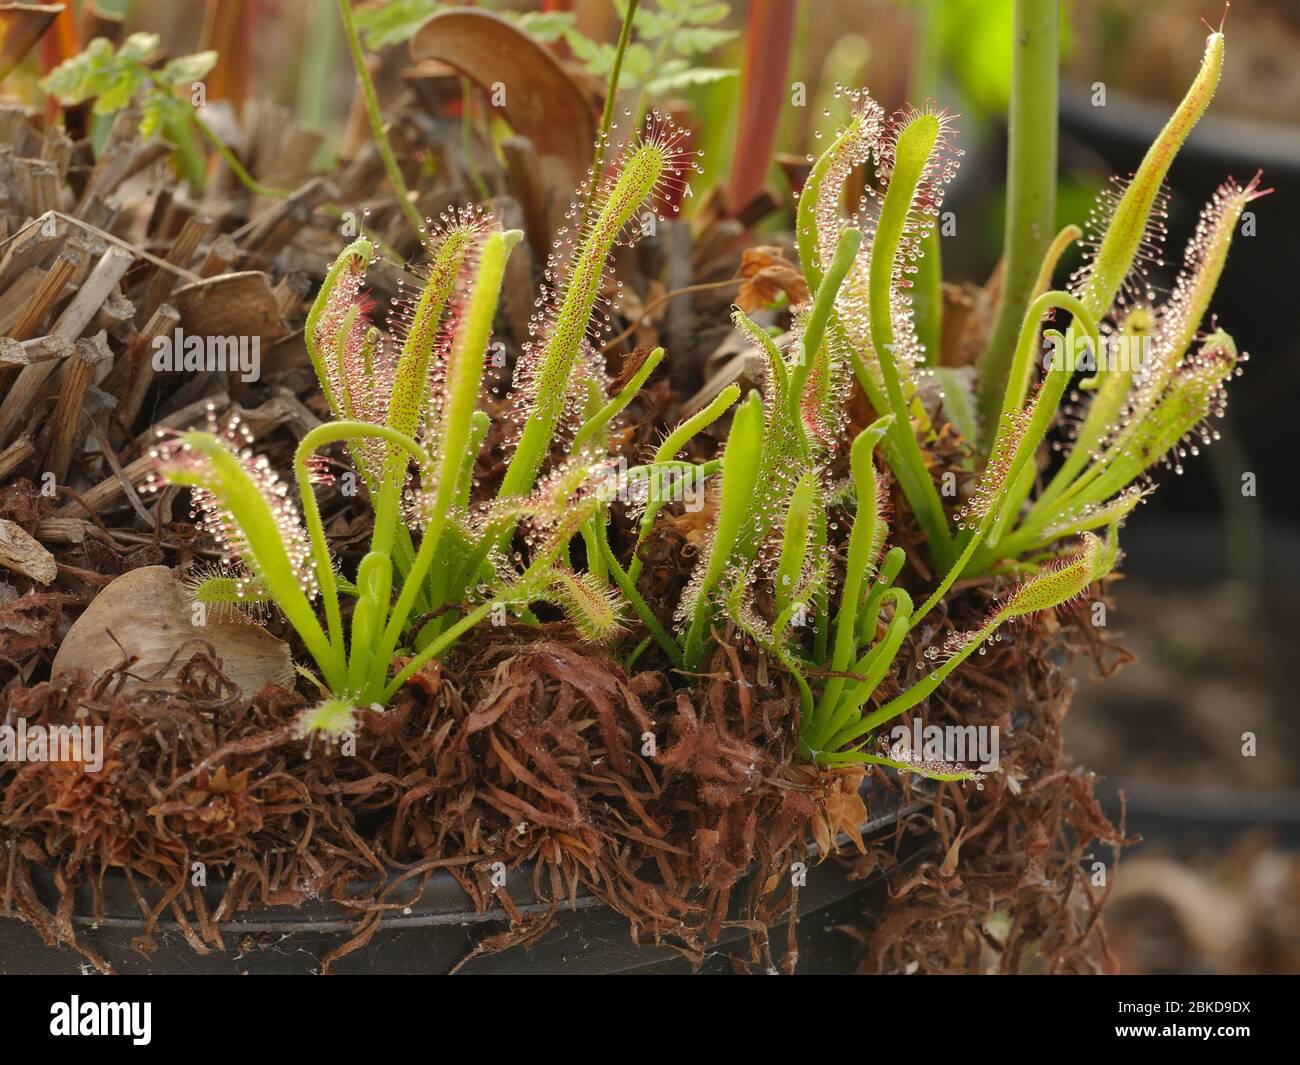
[[323, 435], [684, 433], [864, 541], [588, 602], [1128, 224], [779, 373], [394, 22], [225, 593], [352, 260], [915, 145], [821, 733], [888, 573], [479, 427], [581, 287], [814, 333], [794, 541], [1203, 263], [595, 398], [347, 398], [1036, 420], [265, 552], [1191, 398], [1055, 585], [411, 384], [1110, 554], [1107, 404], [332, 718], [740, 466], [188, 68], [808, 234], [464, 376], [1017, 479], [862, 758], [1052, 587], [1073, 521], [375, 585]]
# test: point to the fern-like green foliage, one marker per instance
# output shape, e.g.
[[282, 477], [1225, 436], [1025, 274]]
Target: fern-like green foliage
[[119, 78], [668, 38]]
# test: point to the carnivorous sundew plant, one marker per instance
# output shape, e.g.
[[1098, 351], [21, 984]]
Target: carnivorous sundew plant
[[798, 558], [405, 404]]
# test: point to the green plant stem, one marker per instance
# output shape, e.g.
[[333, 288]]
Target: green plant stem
[[323, 436], [377, 119], [467, 140], [469, 348], [862, 539], [656, 61], [1031, 188], [607, 112], [643, 611], [846, 250], [597, 422], [236, 167], [740, 467], [436, 648], [870, 670], [927, 282]]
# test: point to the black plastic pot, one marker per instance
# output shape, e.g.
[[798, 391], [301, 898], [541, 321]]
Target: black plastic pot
[[1189, 553], [439, 929]]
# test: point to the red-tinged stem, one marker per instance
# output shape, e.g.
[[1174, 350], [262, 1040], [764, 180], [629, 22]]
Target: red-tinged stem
[[769, 34]]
